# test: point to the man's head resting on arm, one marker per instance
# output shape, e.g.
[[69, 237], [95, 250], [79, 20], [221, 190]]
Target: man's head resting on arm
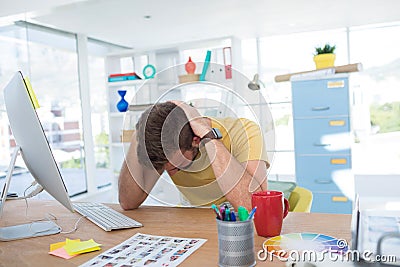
[[163, 136]]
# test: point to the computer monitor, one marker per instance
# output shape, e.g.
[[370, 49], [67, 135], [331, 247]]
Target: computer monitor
[[32, 143]]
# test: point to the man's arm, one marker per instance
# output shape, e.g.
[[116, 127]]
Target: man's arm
[[135, 182], [236, 180]]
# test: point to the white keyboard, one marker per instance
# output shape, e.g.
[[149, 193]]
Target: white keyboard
[[104, 216]]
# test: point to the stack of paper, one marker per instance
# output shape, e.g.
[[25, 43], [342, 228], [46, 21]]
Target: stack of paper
[[374, 225]]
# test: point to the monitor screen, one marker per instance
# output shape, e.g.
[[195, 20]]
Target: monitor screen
[[31, 139]]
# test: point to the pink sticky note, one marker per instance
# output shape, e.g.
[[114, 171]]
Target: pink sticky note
[[60, 252]]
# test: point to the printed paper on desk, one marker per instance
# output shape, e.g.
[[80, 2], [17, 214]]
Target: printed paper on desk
[[142, 249]]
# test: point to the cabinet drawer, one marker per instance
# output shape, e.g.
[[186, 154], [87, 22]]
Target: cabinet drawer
[[322, 135], [320, 98], [331, 203], [317, 172]]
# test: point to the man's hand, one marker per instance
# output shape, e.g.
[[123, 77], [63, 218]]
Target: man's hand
[[200, 125]]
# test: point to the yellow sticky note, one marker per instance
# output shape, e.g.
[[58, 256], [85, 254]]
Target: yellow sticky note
[[81, 247], [58, 245], [60, 252], [32, 95], [88, 250]]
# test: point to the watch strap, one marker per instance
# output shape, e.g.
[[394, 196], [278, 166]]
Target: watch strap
[[215, 133]]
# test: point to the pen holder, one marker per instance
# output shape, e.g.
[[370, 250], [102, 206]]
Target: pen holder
[[236, 243]]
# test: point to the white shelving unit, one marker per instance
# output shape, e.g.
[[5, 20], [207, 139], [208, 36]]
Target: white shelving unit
[[140, 93], [169, 64]]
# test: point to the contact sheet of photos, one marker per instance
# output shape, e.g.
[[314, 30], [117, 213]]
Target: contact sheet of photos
[[147, 250]]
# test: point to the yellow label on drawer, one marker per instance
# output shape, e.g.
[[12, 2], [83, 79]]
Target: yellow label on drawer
[[338, 161], [337, 123], [336, 84], [339, 199]]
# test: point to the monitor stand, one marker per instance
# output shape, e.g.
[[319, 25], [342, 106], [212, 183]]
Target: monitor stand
[[32, 229]]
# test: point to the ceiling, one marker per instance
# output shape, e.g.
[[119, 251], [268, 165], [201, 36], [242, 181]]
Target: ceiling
[[177, 21]]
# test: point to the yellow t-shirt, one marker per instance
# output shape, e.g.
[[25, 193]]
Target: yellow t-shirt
[[242, 138]]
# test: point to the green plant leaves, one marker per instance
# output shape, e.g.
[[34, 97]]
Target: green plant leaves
[[327, 49]]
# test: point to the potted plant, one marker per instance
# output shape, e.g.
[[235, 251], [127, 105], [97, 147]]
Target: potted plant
[[324, 57]]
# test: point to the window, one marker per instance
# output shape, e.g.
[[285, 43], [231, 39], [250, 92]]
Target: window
[[376, 98], [49, 59], [288, 54], [377, 117], [97, 51]]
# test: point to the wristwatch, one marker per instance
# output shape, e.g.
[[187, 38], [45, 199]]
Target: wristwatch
[[215, 133]]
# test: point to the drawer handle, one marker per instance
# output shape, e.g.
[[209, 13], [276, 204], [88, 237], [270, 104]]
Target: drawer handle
[[320, 181], [337, 123], [338, 161], [319, 108], [339, 199], [321, 145]]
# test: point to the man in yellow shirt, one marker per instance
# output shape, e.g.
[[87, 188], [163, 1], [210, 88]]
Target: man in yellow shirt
[[210, 160]]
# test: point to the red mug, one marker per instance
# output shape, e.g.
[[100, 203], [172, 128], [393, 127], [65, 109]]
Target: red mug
[[272, 208]]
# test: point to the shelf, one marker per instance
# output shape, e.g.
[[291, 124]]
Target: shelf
[[126, 83], [139, 107], [117, 144], [117, 114], [121, 144]]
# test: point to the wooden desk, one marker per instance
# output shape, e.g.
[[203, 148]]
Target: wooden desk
[[179, 222]]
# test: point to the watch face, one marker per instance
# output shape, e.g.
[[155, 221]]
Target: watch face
[[217, 133], [149, 71]]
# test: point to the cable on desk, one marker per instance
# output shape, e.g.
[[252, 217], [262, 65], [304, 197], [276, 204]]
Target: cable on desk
[[36, 191], [75, 226], [51, 217]]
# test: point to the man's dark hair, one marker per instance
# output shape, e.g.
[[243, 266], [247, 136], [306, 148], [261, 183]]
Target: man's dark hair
[[161, 130]]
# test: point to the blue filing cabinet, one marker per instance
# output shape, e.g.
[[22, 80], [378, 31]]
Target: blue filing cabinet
[[322, 140]]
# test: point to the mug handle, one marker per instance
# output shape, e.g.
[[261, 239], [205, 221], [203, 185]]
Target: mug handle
[[286, 211]]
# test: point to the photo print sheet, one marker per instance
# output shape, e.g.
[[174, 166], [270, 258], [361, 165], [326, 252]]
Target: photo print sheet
[[147, 250]]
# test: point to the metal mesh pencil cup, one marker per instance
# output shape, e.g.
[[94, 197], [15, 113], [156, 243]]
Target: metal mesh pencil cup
[[236, 243]]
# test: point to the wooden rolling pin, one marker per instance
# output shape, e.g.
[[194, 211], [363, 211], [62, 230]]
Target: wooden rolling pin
[[338, 69]]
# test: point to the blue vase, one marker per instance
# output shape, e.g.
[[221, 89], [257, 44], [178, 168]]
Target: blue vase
[[122, 105]]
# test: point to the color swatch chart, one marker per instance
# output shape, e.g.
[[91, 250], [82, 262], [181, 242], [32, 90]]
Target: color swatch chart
[[302, 242]]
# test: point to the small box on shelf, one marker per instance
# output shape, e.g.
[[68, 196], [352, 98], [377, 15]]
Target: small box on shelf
[[189, 78], [126, 136]]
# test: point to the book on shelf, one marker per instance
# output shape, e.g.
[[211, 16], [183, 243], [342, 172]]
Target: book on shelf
[[122, 74], [119, 77]]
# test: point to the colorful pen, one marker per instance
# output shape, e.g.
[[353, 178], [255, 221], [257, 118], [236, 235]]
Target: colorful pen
[[222, 212], [233, 216], [243, 214], [252, 213], [214, 207], [227, 214]]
